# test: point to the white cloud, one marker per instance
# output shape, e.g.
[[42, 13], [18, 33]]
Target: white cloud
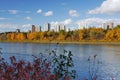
[[12, 27], [39, 11], [8, 27], [67, 21], [26, 27], [90, 22], [96, 22], [13, 11], [49, 13], [107, 7], [54, 23], [28, 18], [73, 13], [1, 18], [116, 21]]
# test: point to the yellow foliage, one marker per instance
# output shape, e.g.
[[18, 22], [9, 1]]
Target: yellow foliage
[[13, 36]]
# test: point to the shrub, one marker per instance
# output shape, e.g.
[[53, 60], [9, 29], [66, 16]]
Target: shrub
[[40, 68]]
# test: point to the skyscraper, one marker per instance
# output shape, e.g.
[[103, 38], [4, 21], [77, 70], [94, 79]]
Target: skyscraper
[[104, 25], [60, 27], [33, 28], [108, 27], [111, 24], [38, 29], [47, 27], [57, 28]]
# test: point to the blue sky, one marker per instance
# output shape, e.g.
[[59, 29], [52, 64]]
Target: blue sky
[[73, 13]]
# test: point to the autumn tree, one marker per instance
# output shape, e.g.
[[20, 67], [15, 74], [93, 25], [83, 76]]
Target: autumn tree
[[75, 35], [96, 33], [83, 34], [62, 35], [30, 36], [110, 35], [9, 36], [13, 36], [21, 36], [69, 35]]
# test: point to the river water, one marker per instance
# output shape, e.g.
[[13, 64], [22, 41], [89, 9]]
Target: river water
[[107, 61]]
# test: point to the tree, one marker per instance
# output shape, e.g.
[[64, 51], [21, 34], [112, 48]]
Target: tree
[[110, 35], [13, 36], [75, 35], [117, 34], [96, 33], [9, 36], [83, 34], [30, 36], [62, 35], [21, 36]]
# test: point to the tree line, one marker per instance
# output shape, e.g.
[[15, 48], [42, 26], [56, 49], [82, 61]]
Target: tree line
[[90, 34]]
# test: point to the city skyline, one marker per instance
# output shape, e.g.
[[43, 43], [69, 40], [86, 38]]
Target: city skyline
[[73, 14]]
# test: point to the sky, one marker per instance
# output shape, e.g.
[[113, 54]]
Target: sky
[[21, 14]]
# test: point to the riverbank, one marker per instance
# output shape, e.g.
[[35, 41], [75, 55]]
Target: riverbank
[[62, 42]]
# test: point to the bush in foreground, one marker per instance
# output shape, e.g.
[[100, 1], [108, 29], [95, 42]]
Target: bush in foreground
[[54, 67]]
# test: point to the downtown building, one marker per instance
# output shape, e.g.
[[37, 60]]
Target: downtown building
[[109, 25], [33, 28], [47, 27], [60, 27], [36, 28]]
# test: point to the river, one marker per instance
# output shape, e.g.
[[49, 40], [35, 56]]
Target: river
[[108, 56]]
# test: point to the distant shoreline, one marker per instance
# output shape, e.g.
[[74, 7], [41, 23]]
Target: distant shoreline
[[64, 42]]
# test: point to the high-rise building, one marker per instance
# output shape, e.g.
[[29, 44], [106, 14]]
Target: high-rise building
[[38, 29], [33, 28], [104, 25], [60, 27], [47, 27], [57, 28], [111, 24], [108, 27]]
